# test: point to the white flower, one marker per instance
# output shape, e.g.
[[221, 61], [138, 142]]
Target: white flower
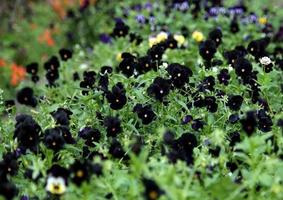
[[265, 60], [83, 66], [56, 185]]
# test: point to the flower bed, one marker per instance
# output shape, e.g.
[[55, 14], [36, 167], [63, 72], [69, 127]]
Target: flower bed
[[170, 100]]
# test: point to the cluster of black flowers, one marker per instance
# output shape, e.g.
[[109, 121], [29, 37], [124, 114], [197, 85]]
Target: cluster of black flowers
[[180, 148], [52, 65], [204, 98], [32, 69]]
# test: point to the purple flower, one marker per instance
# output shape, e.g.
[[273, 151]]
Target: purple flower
[[105, 38], [148, 6], [137, 7], [118, 20], [140, 19], [24, 197]]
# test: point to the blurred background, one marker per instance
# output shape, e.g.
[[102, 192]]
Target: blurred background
[[34, 30]]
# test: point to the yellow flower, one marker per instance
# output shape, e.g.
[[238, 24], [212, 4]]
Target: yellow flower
[[119, 57], [198, 36], [161, 36], [152, 41], [180, 39], [56, 185], [262, 20]]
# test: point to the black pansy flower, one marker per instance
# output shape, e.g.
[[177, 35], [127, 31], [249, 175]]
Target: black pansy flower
[[144, 113], [137, 145], [89, 77], [207, 49], [249, 123], [234, 138], [265, 124], [135, 38], [235, 102], [169, 137], [117, 97], [65, 54], [198, 101], [215, 152], [116, 150], [8, 190], [197, 124], [187, 141], [86, 87], [52, 64], [120, 29], [232, 56], [216, 36], [152, 190], [187, 119], [171, 42], [25, 96], [27, 132], [80, 172], [145, 64], [155, 52], [113, 126], [243, 67], [57, 180], [96, 169], [34, 78], [90, 135], [224, 77], [106, 70], [216, 62], [182, 148], [179, 74], [211, 105], [52, 76], [264, 121], [234, 118], [32, 68], [242, 51], [88, 81], [234, 26], [9, 165], [76, 76], [257, 47], [66, 134], [53, 139], [280, 123], [128, 66], [208, 83], [159, 88], [62, 116], [9, 104]]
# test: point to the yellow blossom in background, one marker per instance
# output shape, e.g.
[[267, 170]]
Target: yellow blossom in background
[[162, 36], [152, 41], [198, 36], [262, 20], [119, 57], [180, 39]]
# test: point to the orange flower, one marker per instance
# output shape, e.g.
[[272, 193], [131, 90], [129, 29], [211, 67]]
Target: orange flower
[[18, 74], [46, 37], [2, 63]]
